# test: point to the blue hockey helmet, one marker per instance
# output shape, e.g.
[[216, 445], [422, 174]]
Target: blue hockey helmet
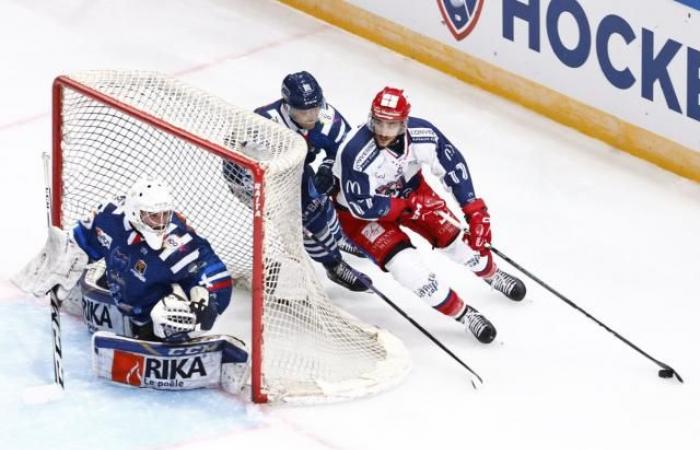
[[300, 90]]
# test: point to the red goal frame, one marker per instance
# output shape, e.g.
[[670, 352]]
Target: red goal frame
[[257, 288]]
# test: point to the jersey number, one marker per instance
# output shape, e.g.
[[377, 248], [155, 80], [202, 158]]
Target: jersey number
[[459, 174]]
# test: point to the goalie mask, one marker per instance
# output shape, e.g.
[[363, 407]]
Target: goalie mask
[[148, 207], [389, 115]]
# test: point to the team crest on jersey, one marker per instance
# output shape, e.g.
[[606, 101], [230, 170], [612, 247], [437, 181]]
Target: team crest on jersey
[[392, 188], [139, 270], [460, 16]]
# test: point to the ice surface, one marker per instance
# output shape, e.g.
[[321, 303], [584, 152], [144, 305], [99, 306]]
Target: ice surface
[[616, 234]]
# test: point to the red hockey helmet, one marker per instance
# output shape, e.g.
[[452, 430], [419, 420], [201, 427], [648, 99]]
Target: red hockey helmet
[[390, 104]]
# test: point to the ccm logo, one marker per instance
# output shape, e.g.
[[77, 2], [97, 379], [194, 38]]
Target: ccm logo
[[193, 350]]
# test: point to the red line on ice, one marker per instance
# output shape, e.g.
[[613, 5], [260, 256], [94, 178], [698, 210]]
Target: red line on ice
[[189, 70]]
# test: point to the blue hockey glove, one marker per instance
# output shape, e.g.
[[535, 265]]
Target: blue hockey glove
[[319, 140], [324, 179]]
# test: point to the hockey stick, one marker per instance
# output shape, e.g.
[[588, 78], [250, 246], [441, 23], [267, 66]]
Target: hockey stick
[[373, 288], [666, 370], [55, 301]]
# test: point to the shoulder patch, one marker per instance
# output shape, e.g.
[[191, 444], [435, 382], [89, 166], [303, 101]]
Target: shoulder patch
[[365, 157], [422, 135]]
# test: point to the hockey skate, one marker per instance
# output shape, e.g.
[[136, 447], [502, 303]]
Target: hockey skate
[[348, 247], [343, 275], [510, 286], [478, 325]]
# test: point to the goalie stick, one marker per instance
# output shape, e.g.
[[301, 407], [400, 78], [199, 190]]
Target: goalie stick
[[56, 334], [666, 371], [373, 288], [55, 301]]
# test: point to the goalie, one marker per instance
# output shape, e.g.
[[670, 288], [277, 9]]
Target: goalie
[[151, 278]]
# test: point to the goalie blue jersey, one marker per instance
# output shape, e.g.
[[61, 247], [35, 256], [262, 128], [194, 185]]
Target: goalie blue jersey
[[138, 276]]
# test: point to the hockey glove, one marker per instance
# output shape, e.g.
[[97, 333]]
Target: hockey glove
[[203, 308], [60, 263], [479, 221], [176, 318], [324, 179], [173, 319], [422, 205], [318, 140]]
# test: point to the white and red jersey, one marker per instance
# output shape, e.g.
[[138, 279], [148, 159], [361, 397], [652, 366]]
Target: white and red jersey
[[370, 176]]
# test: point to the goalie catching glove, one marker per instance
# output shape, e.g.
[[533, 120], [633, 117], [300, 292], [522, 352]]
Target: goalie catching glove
[[177, 318], [59, 264]]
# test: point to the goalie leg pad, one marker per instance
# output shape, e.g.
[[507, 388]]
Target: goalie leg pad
[[209, 361], [98, 308]]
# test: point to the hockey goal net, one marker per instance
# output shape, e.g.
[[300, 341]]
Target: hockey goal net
[[236, 177]]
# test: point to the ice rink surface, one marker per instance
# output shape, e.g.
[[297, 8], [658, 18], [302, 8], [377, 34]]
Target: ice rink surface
[[614, 233]]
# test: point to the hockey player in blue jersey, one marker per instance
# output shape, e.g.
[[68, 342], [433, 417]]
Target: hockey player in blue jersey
[[303, 109], [382, 189], [151, 288], [159, 279]]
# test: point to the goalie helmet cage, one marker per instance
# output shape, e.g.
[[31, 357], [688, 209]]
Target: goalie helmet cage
[[236, 178]]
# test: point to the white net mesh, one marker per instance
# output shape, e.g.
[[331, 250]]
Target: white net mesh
[[312, 351]]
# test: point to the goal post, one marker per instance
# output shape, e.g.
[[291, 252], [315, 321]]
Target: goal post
[[236, 176]]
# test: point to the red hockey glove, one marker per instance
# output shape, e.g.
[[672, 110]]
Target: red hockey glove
[[397, 208], [422, 205], [415, 207], [479, 226]]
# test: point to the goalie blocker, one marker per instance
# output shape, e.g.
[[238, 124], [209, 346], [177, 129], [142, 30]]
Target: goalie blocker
[[205, 362]]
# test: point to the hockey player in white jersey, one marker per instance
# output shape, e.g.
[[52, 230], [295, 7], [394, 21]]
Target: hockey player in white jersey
[[382, 189], [151, 279], [303, 109]]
